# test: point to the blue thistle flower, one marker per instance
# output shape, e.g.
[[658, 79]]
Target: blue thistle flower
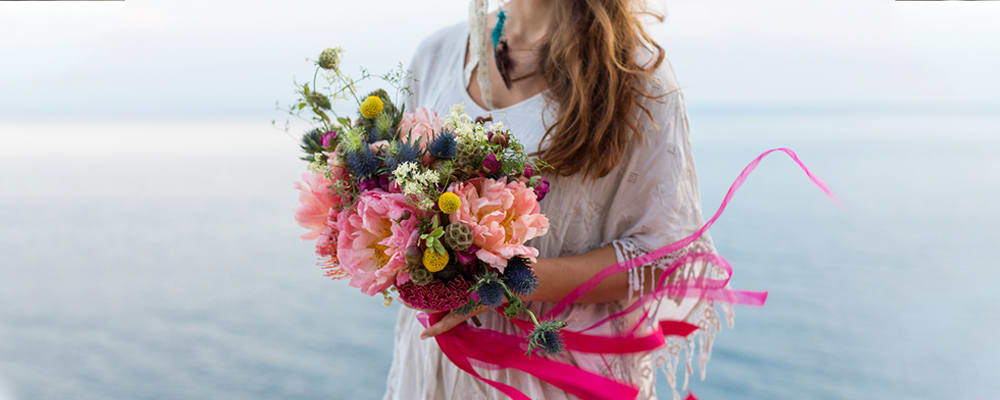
[[372, 133], [490, 293], [546, 336], [401, 152], [519, 277], [444, 146], [362, 162]]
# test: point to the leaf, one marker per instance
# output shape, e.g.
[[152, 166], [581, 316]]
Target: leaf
[[302, 105], [345, 122], [439, 248]]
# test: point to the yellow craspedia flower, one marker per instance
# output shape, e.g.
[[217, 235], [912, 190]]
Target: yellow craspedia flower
[[449, 202], [435, 261], [371, 107]]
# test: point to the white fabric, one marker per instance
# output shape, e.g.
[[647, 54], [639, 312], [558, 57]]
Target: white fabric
[[479, 48], [648, 201]]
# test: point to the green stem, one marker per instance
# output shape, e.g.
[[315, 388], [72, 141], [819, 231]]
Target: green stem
[[315, 74], [533, 319]]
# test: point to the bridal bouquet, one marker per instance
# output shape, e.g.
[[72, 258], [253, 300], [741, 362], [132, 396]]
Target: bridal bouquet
[[437, 210]]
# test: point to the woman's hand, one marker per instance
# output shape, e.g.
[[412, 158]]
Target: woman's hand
[[450, 321]]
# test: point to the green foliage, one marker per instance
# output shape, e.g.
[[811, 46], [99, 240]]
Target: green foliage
[[432, 239], [330, 85], [312, 143]]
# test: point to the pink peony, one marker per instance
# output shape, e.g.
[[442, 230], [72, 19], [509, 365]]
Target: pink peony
[[316, 198], [371, 243], [422, 123], [503, 216]]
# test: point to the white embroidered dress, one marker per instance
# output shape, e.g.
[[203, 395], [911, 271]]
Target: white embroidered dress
[[650, 200]]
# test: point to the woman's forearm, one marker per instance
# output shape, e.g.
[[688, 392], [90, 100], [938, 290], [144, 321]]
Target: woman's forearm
[[559, 276]]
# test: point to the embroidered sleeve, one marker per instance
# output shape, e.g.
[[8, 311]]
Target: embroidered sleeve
[[657, 204]]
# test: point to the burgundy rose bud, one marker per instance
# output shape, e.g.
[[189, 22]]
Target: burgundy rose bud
[[542, 188], [468, 256], [383, 182], [501, 139], [329, 138], [491, 164], [528, 172], [368, 184]]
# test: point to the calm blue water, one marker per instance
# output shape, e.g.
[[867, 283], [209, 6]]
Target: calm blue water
[[177, 273]]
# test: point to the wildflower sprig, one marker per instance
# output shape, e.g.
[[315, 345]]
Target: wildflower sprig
[[492, 288], [331, 84], [545, 336], [432, 239], [418, 182]]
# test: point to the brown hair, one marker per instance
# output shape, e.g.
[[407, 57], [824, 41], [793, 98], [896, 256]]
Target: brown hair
[[590, 66]]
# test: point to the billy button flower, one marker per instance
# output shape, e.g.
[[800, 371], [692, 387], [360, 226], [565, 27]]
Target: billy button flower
[[435, 261], [449, 202], [435, 256], [371, 107]]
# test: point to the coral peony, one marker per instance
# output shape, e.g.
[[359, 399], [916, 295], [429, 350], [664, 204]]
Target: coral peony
[[422, 123], [316, 198], [371, 243], [503, 216]]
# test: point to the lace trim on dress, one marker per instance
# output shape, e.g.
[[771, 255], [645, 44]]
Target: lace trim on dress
[[479, 51], [704, 313]]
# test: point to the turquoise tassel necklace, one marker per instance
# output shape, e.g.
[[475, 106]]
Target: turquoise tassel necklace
[[501, 51]]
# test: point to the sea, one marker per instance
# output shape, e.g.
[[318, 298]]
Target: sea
[[160, 260]]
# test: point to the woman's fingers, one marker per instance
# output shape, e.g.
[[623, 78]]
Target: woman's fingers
[[449, 321]]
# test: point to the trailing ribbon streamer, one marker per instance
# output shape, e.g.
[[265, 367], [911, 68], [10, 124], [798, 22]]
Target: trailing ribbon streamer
[[465, 344], [647, 258]]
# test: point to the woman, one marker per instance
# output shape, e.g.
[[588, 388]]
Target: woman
[[592, 94]]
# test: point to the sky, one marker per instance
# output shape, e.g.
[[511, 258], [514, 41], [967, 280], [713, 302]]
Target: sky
[[225, 59]]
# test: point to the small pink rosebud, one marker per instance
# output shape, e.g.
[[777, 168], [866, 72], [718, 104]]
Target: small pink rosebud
[[329, 138], [542, 189], [491, 164]]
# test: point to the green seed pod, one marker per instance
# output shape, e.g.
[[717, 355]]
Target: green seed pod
[[329, 59], [319, 100], [458, 236], [444, 168], [414, 257], [420, 275], [470, 155], [384, 125]]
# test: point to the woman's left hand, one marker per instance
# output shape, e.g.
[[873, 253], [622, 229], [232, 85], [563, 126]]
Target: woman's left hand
[[450, 321]]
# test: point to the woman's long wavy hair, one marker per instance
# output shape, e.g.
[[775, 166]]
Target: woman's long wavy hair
[[591, 67]]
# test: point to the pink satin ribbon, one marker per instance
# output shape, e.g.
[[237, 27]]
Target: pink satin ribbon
[[467, 346]]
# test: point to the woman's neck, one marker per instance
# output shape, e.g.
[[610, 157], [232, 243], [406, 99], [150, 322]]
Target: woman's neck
[[528, 21]]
